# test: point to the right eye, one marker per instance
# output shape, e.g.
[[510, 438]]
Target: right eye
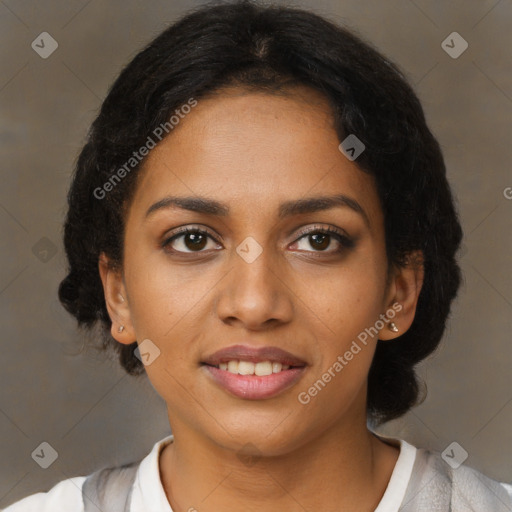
[[187, 240]]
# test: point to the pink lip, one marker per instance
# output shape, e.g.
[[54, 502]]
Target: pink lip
[[253, 387], [254, 355]]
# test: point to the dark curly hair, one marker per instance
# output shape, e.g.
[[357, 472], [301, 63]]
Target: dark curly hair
[[271, 48]]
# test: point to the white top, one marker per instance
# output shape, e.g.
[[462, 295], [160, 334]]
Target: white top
[[148, 493]]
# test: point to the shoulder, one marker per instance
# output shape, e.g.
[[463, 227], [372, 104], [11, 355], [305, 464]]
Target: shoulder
[[106, 483], [472, 486], [436, 480], [508, 488], [66, 496]]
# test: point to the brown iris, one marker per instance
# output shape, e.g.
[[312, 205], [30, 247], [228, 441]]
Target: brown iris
[[195, 241], [323, 243]]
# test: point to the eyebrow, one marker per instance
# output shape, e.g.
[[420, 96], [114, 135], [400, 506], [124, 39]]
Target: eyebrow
[[295, 207]]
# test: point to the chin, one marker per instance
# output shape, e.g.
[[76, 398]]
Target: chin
[[258, 440]]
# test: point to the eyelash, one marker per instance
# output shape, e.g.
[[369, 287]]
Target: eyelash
[[344, 241]]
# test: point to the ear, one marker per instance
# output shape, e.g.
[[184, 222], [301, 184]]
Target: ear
[[402, 297], [116, 301]]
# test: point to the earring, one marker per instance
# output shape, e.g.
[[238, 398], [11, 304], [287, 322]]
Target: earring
[[392, 327], [121, 328]]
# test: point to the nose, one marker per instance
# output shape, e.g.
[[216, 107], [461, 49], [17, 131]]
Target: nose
[[255, 295]]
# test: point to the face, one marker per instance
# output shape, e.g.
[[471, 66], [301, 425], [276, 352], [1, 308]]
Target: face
[[263, 263]]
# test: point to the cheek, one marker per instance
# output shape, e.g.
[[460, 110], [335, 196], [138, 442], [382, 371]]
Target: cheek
[[161, 297], [347, 304], [349, 308], [348, 299], [170, 307]]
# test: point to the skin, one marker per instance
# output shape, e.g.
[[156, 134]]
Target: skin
[[253, 151]]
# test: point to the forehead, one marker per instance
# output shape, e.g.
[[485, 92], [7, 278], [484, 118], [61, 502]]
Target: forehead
[[253, 151]]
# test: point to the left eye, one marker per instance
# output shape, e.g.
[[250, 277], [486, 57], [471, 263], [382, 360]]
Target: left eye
[[320, 240]]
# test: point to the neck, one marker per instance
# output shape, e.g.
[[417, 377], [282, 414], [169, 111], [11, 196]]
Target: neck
[[347, 464]]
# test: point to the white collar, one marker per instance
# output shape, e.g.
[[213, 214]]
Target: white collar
[[148, 492], [400, 478]]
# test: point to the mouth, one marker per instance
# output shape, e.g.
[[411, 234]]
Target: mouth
[[254, 373]]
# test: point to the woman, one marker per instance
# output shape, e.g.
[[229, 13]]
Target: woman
[[261, 221]]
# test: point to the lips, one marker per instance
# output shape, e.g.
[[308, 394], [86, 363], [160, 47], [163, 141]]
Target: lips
[[253, 355], [252, 387]]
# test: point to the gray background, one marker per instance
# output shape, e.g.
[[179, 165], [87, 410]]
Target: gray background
[[82, 404]]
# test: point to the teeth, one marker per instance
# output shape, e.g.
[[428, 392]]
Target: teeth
[[233, 366], [245, 368], [263, 368], [248, 368]]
